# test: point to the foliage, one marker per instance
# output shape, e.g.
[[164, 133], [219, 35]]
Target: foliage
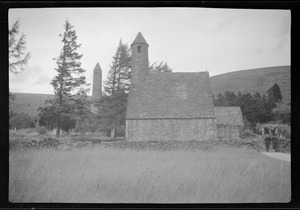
[[118, 78], [112, 110], [21, 120], [161, 67], [16, 48], [274, 96], [282, 112], [256, 108], [47, 118], [70, 101], [42, 130], [89, 124]]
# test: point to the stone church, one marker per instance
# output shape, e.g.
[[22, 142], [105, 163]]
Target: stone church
[[167, 106], [170, 106]]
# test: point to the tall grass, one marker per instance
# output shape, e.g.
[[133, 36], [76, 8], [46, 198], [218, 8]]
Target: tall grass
[[127, 176]]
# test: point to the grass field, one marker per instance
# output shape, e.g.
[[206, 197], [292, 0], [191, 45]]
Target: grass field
[[107, 175]]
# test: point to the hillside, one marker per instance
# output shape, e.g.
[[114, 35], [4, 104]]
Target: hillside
[[254, 80], [28, 102]]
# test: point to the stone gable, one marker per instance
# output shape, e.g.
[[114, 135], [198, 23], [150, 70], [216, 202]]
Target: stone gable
[[229, 116]]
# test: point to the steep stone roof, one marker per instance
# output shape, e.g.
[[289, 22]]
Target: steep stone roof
[[171, 95], [139, 39], [229, 116]]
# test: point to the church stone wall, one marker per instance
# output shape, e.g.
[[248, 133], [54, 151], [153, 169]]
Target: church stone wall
[[228, 131], [170, 130]]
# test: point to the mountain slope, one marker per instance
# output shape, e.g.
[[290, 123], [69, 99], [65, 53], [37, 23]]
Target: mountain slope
[[28, 102], [254, 80]]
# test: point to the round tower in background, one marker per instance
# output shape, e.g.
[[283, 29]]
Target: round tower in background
[[139, 59], [97, 82]]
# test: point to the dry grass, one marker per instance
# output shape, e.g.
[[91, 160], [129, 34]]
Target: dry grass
[[112, 176]]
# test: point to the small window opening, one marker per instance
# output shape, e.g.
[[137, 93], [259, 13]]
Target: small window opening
[[139, 48]]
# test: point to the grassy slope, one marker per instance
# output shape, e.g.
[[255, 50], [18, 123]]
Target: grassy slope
[[110, 175], [254, 80], [29, 102]]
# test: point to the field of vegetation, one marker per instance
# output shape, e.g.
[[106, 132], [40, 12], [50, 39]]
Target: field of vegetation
[[109, 173]]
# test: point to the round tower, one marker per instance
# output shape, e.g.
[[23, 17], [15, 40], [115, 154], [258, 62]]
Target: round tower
[[97, 81], [139, 59]]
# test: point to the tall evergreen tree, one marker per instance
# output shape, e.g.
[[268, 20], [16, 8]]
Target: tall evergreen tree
[[161, 67], [112, 112], [274, 96], [18, 58], [112, 106], [118, 78], [229, 98], [219, 100], [69, 85]]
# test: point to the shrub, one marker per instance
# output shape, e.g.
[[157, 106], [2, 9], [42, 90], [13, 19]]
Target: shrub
[[285, 130], [42, 130], [248, 134]]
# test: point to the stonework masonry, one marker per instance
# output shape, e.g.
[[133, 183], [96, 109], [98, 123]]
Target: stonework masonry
[[97, 81], [170, 130], [139, 60]]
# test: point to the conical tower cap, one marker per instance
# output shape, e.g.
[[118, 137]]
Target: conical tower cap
[[97, 67], [139, 39]]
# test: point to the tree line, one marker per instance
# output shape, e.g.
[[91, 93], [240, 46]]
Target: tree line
[[257, 108]]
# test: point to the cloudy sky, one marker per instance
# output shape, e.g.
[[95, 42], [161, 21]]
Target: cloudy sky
[[188, 39]]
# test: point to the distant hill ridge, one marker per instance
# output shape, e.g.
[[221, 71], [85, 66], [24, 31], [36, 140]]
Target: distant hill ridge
[[254, 80], [251, 81]]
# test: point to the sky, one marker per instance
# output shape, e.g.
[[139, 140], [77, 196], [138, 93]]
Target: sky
[[188, 39]]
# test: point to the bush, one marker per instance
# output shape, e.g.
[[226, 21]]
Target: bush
[[42, 130], [248, 134], [285, 130]]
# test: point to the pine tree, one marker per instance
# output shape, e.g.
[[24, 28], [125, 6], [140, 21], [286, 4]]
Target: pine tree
[[219, 100], [161, 67], [16, 48], [112, 111], [118, 79], [112, 106], [69, 85], [230, 98], [274, 96]]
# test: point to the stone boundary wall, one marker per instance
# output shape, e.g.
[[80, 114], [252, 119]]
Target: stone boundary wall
[[170, 129]]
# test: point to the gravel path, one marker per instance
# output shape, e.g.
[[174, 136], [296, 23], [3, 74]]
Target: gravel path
[[278, 155]]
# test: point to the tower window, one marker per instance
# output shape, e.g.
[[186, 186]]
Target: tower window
[[139, 48]]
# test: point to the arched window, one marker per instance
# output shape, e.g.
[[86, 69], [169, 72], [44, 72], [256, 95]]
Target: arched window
[[139, 48]]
